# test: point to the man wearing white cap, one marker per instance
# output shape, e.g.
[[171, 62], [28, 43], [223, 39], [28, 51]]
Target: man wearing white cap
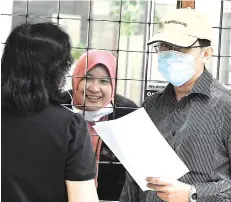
[[193, 113]]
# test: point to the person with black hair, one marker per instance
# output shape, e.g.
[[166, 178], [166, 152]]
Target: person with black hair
[[193, 113], [47, 153]]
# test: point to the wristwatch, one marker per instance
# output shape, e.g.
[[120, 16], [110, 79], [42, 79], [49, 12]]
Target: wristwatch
[[193, 194]]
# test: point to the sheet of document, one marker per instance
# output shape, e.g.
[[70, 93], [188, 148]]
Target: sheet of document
[[140, 147]]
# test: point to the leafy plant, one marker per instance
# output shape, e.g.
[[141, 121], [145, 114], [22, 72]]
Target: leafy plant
[[131, 12], [77, 52]]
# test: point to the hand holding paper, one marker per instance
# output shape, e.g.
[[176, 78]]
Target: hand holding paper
[[139, 146]]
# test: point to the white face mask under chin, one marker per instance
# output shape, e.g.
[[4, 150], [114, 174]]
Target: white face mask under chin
[[94, 116]]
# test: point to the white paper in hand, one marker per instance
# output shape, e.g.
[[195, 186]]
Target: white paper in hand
[[140, 147]]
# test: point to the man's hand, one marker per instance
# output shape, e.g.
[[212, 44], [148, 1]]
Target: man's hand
[[172, 191]]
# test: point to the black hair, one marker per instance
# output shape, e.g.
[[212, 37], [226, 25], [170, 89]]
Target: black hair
[[35, 61], [204, 42]]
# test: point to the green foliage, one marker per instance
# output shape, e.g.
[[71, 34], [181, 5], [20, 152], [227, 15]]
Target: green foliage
[[77, 52], [131, 12]]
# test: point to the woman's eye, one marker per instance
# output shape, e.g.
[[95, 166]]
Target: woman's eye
[[105, 81], [88, 79]]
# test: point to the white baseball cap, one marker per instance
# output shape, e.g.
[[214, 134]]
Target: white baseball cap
[[183, 27]]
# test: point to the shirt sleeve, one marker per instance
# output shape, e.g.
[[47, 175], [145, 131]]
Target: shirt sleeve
[[216, 191], [80, 158], [130, 191]]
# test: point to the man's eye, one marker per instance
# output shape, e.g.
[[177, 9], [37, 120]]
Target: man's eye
[[178, 49]]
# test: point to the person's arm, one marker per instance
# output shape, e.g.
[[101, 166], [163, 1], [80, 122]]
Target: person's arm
[[81, 191], [213, 191], [130, 191], [80, 166], [216, 191]]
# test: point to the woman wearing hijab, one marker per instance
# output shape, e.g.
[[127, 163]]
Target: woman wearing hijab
[[94, 97]]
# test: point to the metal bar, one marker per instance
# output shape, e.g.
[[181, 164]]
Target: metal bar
[[146, 37], [58, 11], [152, 30], [219, 40], [125, 79], [27, 5], [151, 17], [86, 67], [63, 18], [82, 19], [132, 51], [117, 57]]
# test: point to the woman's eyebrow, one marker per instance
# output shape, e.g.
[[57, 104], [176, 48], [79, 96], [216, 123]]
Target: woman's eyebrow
[[89, 74], [101, 77], [105, 77]]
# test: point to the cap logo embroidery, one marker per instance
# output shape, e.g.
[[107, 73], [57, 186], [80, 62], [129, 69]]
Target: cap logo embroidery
[[175, 22]]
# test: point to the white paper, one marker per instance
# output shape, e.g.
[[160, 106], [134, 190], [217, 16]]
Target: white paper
[[140, 147]]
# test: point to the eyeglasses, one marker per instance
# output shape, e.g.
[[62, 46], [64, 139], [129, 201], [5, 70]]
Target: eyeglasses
[[161, 46]]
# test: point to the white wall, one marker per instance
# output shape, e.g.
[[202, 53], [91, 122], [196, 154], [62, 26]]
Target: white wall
[[6, 7]]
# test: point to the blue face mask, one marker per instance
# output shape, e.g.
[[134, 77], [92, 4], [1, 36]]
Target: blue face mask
[[176, 68]]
